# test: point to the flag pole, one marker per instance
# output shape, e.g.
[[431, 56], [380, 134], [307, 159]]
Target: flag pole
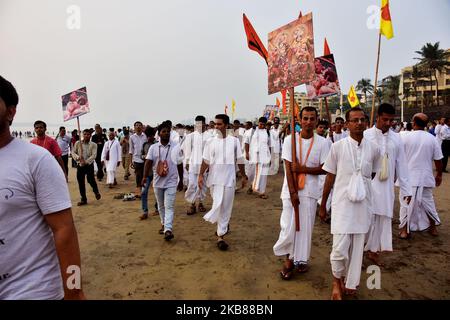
[[294, 153], [376, 81], [329, 118], [81, 138]]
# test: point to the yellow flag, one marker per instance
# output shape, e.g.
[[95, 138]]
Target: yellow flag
[[233, 105], [386, 28], [352, 97]]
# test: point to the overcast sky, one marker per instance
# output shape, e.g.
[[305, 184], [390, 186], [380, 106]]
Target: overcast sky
[[174, 59]]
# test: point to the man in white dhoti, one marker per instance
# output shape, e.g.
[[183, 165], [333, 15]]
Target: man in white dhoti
[[221, 155], [194, 145], [275, 147], [392, 163], [350, 166], [258, 153], [111, 156], [311, 152], [421, 149], [249, 167]]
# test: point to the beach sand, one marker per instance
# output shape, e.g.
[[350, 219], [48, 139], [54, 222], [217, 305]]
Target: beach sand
[[125, 258]]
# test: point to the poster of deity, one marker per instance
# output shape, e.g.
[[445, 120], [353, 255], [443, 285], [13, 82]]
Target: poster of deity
[[291, 55]]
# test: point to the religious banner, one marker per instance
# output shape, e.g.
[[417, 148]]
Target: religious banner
[[75, 104], [291, 55], [270, 111], [326, 81]]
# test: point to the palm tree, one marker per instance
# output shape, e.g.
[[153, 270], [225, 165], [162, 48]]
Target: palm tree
[[391, 88], [433, 59], [416, 74], [365, 86]]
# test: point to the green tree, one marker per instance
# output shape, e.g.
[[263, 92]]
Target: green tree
[[433, 59], [365, 86]]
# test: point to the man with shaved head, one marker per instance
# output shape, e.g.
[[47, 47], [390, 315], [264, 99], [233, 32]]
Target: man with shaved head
[[421, 149]]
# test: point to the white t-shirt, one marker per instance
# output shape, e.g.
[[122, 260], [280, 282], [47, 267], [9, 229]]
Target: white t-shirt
[[136, 143], [351, 217], [421, 148], [317, 157], [32, 185], [172, 153], [222, 155]]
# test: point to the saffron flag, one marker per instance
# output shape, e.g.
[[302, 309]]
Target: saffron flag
[[253, 41], [352, 97], [233, 106], [386, 28], [277, 102], [283, 100], [326, 48]]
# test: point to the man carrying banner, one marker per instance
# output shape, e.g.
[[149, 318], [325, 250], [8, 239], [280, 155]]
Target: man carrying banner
[[84, 153], [350, 165], [312, 151]]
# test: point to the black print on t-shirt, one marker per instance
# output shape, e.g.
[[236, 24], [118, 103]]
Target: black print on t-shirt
[[2, 242], [6, 193]]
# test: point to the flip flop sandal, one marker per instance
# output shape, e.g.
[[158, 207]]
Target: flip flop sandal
[[201, 208], [191, 210], [161, 231], [302, 268], [287, 272], [222, 245], [143, 217]]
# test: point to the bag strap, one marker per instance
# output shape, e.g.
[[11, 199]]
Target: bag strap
[[309, 149], [159, 152]]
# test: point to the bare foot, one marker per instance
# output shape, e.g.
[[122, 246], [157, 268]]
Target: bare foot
[[433, 231], [350, 292], [375, 258], [403, 234], [336, 293]]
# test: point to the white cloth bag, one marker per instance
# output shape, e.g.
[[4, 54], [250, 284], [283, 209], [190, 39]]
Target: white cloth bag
[[356, 190]]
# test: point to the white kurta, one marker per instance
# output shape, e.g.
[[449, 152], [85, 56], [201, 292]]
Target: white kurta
[[249, 167], [421, 150], [222, 156], [349, 217], [260, 156], [275, 152], [383, 191], [193, 147], [115, 154], [298, 243]]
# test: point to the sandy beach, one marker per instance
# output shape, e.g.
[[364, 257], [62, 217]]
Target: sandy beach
[[124, 258]]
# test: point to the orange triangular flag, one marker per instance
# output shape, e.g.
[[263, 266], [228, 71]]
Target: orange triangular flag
[[326, 48], [253, 41]]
